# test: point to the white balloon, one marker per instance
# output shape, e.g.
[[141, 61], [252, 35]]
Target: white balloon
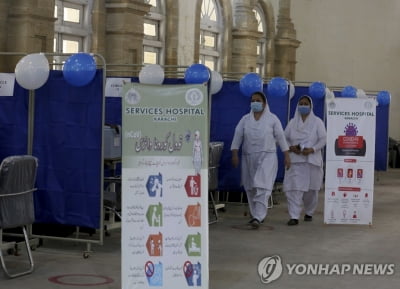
[[361, 93], [292, 89], [328, 93], [151, 74], [216, 82], [32, 71]]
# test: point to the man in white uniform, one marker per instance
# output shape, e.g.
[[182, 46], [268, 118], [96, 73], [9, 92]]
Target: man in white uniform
[[306, 136], [257, 132]]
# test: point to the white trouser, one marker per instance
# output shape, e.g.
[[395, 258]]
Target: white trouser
[[257, 199], [297, 198]]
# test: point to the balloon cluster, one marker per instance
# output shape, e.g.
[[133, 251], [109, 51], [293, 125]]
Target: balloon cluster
[[361, 93], [32, 71], [199, 73], [216, 82], [329, 94], [383, 97], [317, 90], [79, 69], [278, 87], [151, 74], [251, 82], [349, 91], [292, 89]]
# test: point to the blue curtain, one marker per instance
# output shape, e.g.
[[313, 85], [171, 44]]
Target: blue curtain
[[227, 108], [382, 138], [14, 123], [67, 141]]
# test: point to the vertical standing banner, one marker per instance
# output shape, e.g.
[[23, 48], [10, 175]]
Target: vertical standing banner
[[350, 154], [164, 186]]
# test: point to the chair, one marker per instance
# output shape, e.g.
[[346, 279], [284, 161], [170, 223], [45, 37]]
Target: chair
[[214, 155], [112, 196], [17, 180]]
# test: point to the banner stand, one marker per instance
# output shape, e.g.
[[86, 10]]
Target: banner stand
[[350, 156]]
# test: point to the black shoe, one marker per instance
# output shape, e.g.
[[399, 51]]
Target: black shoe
[[251, 221], [293, 222], [254, 219], [307, 218], [255, 224]]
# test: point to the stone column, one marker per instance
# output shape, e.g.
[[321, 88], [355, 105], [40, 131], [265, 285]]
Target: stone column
[[270, 58], [3, 33], [30, 28], [171, 36], [244, 37], [124, 32], [99, 27], [285, 43]]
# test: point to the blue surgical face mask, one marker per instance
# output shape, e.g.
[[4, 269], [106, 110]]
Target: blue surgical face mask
[[304, 109], [256, 106]]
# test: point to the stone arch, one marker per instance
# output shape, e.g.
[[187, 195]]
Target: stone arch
[[226, 37]]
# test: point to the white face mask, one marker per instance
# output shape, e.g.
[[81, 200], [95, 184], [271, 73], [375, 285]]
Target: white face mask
[[304, 109], [256, 106]]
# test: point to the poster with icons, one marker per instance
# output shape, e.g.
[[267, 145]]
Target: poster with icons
[[350, 155], [114, 86], [164, 186]]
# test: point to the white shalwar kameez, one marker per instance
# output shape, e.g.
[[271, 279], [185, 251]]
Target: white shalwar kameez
[[259, 160], [303, 179]]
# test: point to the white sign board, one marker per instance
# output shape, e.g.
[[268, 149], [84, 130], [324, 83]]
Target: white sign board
[[350, 155]]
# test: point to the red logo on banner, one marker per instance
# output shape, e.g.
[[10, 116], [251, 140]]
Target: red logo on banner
[[154, 245], [192, 186], [350, 142], [193, 215], [349, 189]]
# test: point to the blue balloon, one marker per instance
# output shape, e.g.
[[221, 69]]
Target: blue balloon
[[250, 83], [383, 97], [79, 69], [349, 91], [317, 90], [278, 87], [197, 73]]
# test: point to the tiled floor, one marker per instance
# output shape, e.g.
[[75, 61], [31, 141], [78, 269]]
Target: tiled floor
[[235, 251]]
